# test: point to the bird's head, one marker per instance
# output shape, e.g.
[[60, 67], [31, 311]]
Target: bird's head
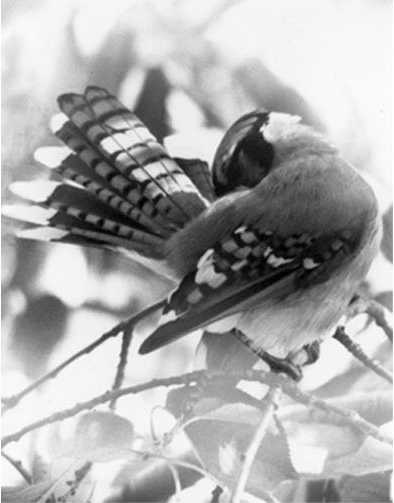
[[255, 144]]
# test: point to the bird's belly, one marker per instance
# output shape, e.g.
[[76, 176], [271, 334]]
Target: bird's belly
[[286, 326]]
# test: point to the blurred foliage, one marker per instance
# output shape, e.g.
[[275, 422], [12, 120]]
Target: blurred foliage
[[183, 67]]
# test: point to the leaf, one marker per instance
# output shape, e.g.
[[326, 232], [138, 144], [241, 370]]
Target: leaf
[[367, 488], [313, 444], [201, 401], [203, 491], [182, 400], [235, 413], [69, 485], [221, 438], [98, 437], [71, 481], [321, 446], [150, 479], [27, 494], [372, 456]]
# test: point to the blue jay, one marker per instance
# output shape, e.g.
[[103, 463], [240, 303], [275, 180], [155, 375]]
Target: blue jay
[[273, 243]]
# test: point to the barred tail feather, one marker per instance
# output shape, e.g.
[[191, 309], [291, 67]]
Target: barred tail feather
[[125, 143], [83, 214], [122, 189]]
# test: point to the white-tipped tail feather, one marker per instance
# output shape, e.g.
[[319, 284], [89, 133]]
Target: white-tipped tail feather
[[31, 214], [37, 192], [52, 157], [42, 234], [123, 190]]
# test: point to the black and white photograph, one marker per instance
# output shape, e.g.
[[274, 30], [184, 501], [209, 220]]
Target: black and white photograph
[[197, 248]]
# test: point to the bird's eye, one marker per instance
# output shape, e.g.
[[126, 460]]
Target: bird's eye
[[244, 156]]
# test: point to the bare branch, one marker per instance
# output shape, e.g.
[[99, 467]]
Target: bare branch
[[126, 341], [357, 351], [352, 418], [379, 313], [381, 316], [177, 482], [12, 401], [18, 467]]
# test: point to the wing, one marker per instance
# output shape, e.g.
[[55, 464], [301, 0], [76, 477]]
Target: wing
[[243, 271]]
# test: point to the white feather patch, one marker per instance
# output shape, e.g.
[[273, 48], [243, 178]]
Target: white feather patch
[[208, 275], [309, 263], [31, 214], [278, 125], [52, 157], [167, 317], [57, 122], [207, 257], [206, 272], [275, 261], [42, 234], [37, 192]]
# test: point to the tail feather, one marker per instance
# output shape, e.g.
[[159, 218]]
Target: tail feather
[[126, 143], [199, 174], [123, 192], [70, 166], [89, 162], [87, 213], [53, 235]]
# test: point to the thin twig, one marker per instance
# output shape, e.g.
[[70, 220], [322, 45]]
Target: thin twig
[[126, 341], [352, 418], [379, 313], [357, 351], [12, 401], [177, 482], [18, 467], [100, 399], [271, 402], [381, 316]]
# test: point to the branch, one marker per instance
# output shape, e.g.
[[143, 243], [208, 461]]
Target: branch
[[177, 482], [126, 341], [271, 404], [357, 351], [381, 316], [18, 467], [375, 310], [352, 418], [12, 401]]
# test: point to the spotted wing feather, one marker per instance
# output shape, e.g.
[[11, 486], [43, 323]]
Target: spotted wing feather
[[240, 272]]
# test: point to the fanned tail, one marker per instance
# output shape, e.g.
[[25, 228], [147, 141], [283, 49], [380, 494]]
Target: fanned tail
[[123, 191]]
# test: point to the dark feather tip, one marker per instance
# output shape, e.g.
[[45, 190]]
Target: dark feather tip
[[95, 88], [148, 346], [66, 97], [162, 336]]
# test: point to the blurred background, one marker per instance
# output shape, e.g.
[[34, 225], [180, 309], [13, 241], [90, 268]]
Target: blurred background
[[187, 68]]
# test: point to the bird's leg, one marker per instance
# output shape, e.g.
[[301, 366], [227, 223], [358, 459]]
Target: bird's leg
[[277, 365]]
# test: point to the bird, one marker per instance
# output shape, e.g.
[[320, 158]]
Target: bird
[[271, 241]]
